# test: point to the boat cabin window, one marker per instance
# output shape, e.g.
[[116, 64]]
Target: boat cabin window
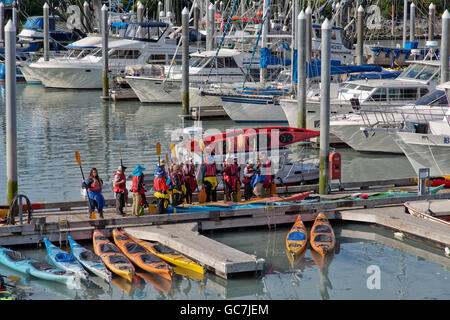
[[146, 31], [227, 62], [365, 88], [198, 62], [351, 86], [125, 54], [434, 98], [379, 95], [427, 73], [404, 93]]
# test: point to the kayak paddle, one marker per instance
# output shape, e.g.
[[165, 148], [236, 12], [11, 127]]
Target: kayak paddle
[[78, 158]]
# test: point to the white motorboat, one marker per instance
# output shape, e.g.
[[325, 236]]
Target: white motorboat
[[229, 67], [370, 131], [431, 147], [414, 82], [146, 42]]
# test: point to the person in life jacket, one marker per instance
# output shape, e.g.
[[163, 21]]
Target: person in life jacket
[[176, 183], [209, 178], [231, 173], [138, 189], [266, 170], [94, 185], [161, 187], [2, 284], [120, 189], [190, 183], [249, 172]]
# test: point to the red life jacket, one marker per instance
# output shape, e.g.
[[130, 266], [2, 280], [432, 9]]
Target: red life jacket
[[189, 177], [122, 187], [160, 184], [96, 185], [230, 174], [134, 186], [211, 170]]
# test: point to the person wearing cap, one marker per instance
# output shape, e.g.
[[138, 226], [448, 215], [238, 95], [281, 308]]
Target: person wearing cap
[[137, 188], [209, 178], [161, 187], [188, 172], [249, 172], [231, 173], [120, 189]]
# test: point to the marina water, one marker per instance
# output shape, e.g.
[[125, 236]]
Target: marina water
[[368, 263]]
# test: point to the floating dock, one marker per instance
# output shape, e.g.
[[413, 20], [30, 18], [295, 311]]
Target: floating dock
[[182, 231]]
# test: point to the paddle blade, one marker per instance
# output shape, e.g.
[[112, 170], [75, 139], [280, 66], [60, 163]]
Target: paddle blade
[[173, 150], [238, 192], [202, 145], [78, 158], [202, 196], [158, 148], [240, 141]]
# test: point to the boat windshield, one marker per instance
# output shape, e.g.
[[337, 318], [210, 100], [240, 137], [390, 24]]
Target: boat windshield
[[198, 62], [419, 72], [150, 31], [436, 97]]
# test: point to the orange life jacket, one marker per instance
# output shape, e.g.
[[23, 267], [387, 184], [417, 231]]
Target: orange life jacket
[[96, 185]]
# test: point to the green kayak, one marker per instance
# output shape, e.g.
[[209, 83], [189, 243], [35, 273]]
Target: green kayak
[[6, 295]]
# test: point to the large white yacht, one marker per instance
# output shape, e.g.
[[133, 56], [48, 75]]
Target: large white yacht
[[143, 43], [430, 146], [414, 82], [222, 66]]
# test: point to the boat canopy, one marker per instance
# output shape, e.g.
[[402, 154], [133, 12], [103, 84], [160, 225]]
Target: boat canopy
[[313, 70], [146, 31]]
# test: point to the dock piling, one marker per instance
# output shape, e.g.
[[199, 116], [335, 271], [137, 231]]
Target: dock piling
[[405, 19], [46, 31], [185, 61], [431, 13], [265, 31], [325, 78], [308, 34], [11, 120], [105, 82], [360, 36], [444, 46], [86, 16], [210, 27], [301, 64], [412, 22], [2, 22]]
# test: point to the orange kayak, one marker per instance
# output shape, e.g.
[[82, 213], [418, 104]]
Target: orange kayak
[[111, 256], [322, 235], [171, 256], [297, 237], [140, 256]]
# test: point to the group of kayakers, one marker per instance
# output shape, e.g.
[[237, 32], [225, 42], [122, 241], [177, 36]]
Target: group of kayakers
[[177, 184]]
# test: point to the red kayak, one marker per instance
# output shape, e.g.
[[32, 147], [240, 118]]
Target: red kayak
[[266, 139]]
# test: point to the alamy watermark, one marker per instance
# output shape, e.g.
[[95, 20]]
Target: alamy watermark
[[374, 280]]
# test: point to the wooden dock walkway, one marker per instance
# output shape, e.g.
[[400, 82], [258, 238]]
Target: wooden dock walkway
[[184, 237], [57, 220]]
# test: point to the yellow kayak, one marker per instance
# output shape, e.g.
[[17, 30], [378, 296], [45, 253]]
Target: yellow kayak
[[170, 256]]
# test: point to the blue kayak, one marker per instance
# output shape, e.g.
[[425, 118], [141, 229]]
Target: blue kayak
[[64, 260], [17, 261], [89, 260]]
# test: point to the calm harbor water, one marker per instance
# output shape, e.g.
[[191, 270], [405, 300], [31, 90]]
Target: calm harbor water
[[53, 124]]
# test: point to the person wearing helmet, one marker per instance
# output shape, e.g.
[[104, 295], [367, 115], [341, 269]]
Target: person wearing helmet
[[120, 189], [138, 189], [161, 188]]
